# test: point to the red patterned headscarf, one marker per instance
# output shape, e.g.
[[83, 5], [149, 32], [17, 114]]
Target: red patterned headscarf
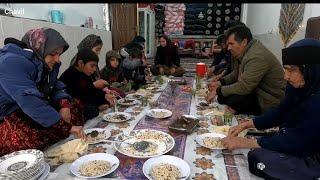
[[43, 41]]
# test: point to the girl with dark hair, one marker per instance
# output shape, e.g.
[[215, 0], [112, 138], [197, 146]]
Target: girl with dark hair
[[94, 43], [112, 72], [167, 60], [35, 109], [80, 85], [293, 152]]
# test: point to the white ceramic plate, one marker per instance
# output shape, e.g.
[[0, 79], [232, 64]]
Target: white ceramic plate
[[159, 113], [161, 143], [19, 160], [75, 166], [103, 133], [200, 139], [182, 165], [45, 173], [111, 117], [24, 163], [29, 175], [134, 96], [128, 102]]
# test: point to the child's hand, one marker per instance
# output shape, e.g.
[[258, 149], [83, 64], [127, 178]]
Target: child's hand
[[100, 84]]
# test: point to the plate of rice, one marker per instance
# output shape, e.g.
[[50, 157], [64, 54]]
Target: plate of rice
[[94, 165], [211, 140], [166, 167]]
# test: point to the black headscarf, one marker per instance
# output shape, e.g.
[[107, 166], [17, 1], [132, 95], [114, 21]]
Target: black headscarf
[[305, 54]]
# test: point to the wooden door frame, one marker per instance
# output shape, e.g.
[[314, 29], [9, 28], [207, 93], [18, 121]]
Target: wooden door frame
[[112, 19]]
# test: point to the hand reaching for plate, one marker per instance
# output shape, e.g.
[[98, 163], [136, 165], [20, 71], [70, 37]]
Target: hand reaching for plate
[[234, 131], [78, 132], [100, 84], [111, 98], [232, 143]]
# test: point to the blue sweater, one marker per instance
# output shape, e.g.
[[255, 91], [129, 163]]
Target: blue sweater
[[20, 76], [299, 124]]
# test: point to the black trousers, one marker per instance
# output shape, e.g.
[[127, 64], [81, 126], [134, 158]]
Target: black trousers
[[90, 111], [242, 104], [273, 165]]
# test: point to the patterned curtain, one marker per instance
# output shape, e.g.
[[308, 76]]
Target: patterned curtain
[[210, 18], [174, 18], [291, 16]]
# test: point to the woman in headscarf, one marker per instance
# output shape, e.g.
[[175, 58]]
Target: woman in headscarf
[[167, 60], [94, 43], [35, 109], [293, 152]]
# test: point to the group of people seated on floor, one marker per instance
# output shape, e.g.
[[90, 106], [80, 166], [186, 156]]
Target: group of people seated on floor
[[285, 96], [39, 109]]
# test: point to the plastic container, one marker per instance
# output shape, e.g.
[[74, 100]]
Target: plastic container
[[56, 16]]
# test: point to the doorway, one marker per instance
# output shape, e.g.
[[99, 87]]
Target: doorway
[[124, 24]]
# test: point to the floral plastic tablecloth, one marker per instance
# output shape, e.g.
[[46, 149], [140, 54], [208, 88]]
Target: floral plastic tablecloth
[[202, 161]]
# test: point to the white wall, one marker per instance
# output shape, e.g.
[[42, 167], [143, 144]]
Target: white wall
[[74, 14], [263, 21], [262, 17], [17, 27]]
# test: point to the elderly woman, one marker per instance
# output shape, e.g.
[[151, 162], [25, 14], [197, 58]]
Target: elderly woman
[[35, 109], [293, 152]]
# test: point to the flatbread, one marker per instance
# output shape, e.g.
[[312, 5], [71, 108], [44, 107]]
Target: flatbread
[[68, 152], [225, 130]]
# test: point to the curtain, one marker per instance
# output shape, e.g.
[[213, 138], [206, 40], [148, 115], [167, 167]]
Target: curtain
[[291, 17]]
